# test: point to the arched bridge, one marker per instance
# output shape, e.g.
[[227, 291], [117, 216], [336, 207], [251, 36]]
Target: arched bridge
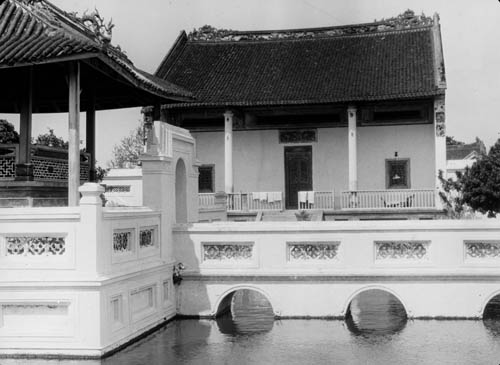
[[436, 269]]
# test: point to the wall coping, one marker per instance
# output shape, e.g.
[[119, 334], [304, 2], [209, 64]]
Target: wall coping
[[348, 226], [40, 213]]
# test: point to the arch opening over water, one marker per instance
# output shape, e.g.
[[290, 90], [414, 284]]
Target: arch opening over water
[[244, 311], [491, 315], [375, 311]]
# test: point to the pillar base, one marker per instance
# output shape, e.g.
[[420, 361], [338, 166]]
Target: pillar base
[[24, 172]]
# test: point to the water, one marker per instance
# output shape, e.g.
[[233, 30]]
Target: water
[[375, 332]]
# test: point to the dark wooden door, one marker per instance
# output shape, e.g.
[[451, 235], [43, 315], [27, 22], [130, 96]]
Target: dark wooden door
[[298, 173]]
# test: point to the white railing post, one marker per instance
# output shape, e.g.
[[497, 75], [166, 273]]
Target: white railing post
[[89, 242]]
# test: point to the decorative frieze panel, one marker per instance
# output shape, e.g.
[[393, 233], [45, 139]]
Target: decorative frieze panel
[[477, 250], [118, 188], [227, 251], [35, 246], [29, 319], [116, 306], [147, 237], [298, 136], [142, 300], [122, 241], [402, 250], [312, 251]]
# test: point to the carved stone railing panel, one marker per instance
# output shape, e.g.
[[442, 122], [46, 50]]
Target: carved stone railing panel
[[482, 250], [228, 251], [316, 251], [35, 246], [402, 250], [147, 237], [122, 241]]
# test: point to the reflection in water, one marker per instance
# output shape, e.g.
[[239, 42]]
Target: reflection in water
[[381, 336], [375, 312], [249, 312]]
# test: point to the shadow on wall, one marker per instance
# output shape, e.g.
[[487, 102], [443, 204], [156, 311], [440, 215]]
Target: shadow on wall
[[180, 192]]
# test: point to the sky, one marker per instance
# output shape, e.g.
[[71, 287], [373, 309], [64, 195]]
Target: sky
[[147, 29]]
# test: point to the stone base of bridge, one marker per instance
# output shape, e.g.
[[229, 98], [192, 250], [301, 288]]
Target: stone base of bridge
[[329, 297]]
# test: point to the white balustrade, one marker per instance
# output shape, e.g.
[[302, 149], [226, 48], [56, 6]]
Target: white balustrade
[[388, 199], [308, 200], [206, 200], [256, 201]]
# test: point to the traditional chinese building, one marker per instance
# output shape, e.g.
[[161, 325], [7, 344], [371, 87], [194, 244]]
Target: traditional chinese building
[[347, 118]]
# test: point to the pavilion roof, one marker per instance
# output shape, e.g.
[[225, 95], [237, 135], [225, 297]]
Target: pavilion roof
[[385, 60], [35, 32]]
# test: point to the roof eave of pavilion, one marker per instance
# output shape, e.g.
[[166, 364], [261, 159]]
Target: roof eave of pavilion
[[276, 103]]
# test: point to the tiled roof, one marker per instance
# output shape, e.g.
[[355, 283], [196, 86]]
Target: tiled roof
[[462, 151], [35, 31], [306, 66]]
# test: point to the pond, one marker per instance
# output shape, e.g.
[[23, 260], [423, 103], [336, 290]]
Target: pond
[[375, 331]]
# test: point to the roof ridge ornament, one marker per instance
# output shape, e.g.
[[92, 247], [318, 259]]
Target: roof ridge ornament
[[95, 23], [405, 20]]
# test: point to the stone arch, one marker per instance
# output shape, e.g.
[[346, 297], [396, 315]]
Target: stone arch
[[374, 287], [226, 297], [180, 192], [487, 301]]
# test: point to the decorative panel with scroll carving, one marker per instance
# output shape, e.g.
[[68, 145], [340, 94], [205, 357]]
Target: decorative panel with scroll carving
[[401, 250], [477, 250], [227, 251], [312, 251], [35, 246]]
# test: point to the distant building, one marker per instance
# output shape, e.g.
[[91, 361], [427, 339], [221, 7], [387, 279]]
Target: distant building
[[461, 155]]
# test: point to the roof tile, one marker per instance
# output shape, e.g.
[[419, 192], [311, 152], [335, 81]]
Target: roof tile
[[339, 68]]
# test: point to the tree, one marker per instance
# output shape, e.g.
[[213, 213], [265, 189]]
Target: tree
[[481, 183], [126, 153], [50, 140], [8, 134], [452, 197]]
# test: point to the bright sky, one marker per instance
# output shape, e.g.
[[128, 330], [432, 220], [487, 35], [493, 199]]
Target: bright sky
[[147, 29]]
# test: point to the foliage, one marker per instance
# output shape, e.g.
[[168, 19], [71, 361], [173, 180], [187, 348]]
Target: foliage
[[451, 196], [100, 173], [481, 183], [126, 153], [7, 133], [177, 273], [51, 140]]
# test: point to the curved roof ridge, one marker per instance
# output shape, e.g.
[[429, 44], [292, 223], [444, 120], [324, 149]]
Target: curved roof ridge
[[405, 21]]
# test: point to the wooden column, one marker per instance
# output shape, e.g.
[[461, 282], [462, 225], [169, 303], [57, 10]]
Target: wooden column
[[352, 143], [90, 129], [228, 151], [24, 169], [74, 134]]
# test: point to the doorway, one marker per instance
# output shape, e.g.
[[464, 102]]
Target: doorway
[[298, 173]]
